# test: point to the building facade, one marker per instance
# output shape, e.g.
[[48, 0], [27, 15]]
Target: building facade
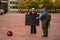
[[9, 5], [12, 5], [4, 4]]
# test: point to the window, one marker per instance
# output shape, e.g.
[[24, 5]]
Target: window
[[13, 7], [12, 2]]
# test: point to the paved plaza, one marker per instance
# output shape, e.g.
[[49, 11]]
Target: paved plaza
[[15, 22]]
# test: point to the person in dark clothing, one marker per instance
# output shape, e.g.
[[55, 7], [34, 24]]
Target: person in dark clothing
[[33, 27], [31, 20]]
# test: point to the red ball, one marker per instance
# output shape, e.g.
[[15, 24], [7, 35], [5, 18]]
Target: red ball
[[9, 33]]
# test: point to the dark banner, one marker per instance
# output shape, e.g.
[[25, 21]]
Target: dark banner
[[30, 19]]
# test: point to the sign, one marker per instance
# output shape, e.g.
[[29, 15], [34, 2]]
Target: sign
[[30, 19]]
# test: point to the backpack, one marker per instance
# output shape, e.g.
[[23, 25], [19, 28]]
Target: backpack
[[48, 17]]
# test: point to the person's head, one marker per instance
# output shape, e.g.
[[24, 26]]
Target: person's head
[[44, 8], [33, 9]]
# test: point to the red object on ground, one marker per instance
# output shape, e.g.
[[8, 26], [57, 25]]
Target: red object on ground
[[9, 33]]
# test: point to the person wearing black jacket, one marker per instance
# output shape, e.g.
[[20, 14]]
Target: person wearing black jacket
[[32, 20]]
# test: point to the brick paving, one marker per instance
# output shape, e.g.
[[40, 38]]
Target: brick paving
[[16, 23]]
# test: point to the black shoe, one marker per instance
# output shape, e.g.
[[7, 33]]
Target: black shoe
[[34, 33], [44, 36]]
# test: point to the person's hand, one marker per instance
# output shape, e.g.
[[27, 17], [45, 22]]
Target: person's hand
[[36, 18]]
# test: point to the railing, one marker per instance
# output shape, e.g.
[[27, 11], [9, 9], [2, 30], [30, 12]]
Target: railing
[[40, 10]]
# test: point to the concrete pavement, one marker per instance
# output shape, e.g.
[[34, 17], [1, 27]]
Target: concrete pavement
[[16, 24]]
